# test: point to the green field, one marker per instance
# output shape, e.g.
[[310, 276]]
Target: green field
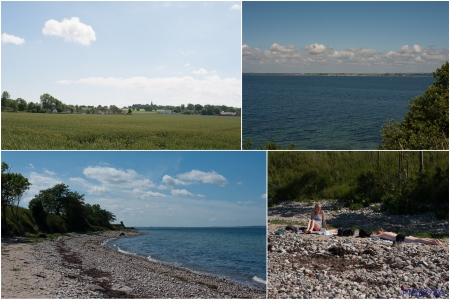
[[142, 131]]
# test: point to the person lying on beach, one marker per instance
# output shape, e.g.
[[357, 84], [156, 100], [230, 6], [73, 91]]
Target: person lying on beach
[[392, 236], [317, 219]]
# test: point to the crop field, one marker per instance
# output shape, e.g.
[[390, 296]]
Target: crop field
[[142, 131]]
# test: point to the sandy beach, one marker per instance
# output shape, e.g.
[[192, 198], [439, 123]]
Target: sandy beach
[[78, 266]]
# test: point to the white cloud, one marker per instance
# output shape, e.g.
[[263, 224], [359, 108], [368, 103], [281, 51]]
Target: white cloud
[[31, 165], [200, 71], [170, 181], [71, 30], [187, 65], [97, 189], [280, 57], [117, 178], [8, 38], [92, 189], [143, 195], [239, 183], [181, 193], [65, 81], [208, 90], [246, 202], [186, 52], [48, 172], [264, 196], [205, 177], [236, 7], [316, 49]]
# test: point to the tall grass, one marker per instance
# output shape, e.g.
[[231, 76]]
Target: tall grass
[[142, 131]]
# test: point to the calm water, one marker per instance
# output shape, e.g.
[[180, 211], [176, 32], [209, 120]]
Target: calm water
[[317, 112], [235, 253]]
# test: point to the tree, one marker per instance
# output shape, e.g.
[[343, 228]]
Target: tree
[[14, 185], [5, 98], [198, 107], [190, 106], [22, 104], [129, 111], [426, 124], [60, 201]]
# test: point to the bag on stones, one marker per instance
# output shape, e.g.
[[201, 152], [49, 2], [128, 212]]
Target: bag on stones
[[364, 233], [345, 232], [291, 227]]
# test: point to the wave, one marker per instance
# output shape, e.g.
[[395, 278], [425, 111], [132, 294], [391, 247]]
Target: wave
[[126, 252], [258, 279]]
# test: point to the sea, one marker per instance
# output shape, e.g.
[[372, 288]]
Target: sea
[[237, 254], [324, 112]]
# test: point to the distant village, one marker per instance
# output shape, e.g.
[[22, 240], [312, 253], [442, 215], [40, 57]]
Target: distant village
[[50, 105]]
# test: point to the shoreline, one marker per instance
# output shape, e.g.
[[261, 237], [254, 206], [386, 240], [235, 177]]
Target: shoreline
[[78, 266], [174, 265]]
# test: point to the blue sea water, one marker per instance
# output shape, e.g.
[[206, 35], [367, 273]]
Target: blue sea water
[[235, 253], [320, 112]]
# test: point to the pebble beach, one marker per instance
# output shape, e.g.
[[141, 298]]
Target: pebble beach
[[78, 266], [315, 266]]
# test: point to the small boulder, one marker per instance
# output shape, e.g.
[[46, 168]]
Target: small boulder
[[95, 288]]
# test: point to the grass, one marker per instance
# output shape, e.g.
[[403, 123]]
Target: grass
[[284, 222], [142, 131], [15, 269]]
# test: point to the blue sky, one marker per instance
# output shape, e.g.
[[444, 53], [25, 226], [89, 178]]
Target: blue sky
[[337, 36], [155, 188], [122, 53]]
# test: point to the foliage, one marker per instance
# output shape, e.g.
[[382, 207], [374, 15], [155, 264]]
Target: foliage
[[56, 224], [270, 146], [20, 222], [426, 124], [361, 179], [14, 185], [101, 132]]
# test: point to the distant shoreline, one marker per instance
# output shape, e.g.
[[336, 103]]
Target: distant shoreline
[[344, 74]]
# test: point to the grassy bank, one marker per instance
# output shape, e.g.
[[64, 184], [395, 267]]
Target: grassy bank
[[141, 131]]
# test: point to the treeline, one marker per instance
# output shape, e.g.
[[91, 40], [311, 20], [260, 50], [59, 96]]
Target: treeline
[[54, 210], [402, 182], [188, 109], [48, 102]]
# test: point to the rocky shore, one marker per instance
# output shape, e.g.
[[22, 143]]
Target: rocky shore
[[314, 266], [78, 266]]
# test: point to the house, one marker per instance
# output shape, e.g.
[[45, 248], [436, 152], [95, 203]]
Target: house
[[167, 112], [81, 111], [54, 111], [227, 113], [68, 111]]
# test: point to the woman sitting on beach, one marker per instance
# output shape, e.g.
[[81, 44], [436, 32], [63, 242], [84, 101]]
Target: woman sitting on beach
[[317, 220], [392, 236]]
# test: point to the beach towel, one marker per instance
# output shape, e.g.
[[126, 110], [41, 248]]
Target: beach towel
[[378, 240]]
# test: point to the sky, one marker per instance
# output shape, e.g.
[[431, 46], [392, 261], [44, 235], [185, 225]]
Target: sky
[[344, 37], [155, 188], [122, 53]]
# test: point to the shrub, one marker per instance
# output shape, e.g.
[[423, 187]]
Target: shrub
[[56, 224]]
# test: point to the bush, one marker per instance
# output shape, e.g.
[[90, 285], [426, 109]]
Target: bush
[[56, 224], [356, 206]]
